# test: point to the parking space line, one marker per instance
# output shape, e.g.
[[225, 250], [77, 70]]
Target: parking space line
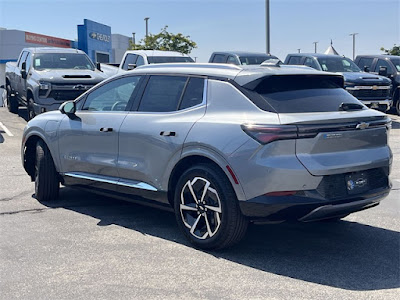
[[5, 129]]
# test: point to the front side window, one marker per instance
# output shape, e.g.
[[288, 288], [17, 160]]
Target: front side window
[[255, 60], [336, 63], [232, 60], [383, 63], [294, 60], [309, 62], [219, 58], [28, 61], [130, 59], [162, 93], [77, 61], [396, 62], [22, 59], [112, 96], [365, 62], [140, 61]]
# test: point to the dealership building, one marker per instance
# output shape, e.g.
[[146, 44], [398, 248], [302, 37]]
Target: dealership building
[[94, 38]]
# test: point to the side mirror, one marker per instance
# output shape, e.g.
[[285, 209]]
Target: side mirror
[[68, 108], [131, 66], [366, 69], [23, 70], [98, 67], [383, 71]]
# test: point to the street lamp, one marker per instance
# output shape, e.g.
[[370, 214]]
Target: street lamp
[[315, 47], [147, 26], [133, 40], [267, 31], [298, 50], [354, 44]]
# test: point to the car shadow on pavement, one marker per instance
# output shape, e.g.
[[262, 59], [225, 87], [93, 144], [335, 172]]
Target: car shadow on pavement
[[346, 255], [395, 125]]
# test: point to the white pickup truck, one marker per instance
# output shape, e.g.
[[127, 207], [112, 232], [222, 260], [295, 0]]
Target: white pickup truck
[[136, 58]]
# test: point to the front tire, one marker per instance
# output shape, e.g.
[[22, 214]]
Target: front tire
[[31, 110], [206, 208], [46, 177], [12, 103]]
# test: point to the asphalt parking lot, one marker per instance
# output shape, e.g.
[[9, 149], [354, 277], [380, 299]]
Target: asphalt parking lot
[[85, 246]]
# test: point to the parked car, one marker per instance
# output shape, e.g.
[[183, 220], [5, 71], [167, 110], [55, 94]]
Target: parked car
[[43, 78], [137, 58], [372, 90], [385, 65], [240, 57], [220, 144]]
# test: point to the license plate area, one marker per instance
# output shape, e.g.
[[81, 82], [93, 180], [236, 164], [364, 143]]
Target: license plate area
[[357, 182]]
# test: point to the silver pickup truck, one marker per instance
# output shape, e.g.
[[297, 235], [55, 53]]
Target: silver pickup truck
[[44, 78]]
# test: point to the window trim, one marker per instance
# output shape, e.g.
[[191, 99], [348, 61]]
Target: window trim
[[134, 108], [82, 99]]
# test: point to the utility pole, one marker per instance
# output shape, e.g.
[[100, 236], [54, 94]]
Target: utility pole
[[315, 47], [298, 50], [354, 44], [133, 40], [267, 29], [147, 26]]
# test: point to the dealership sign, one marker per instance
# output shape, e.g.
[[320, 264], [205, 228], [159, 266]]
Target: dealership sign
[[35, 38], [100, 37]]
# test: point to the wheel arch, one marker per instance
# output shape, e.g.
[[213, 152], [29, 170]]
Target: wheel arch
[[29, 154], [195, 158]]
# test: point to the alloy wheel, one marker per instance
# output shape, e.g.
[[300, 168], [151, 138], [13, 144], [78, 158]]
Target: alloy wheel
[[200, 208]]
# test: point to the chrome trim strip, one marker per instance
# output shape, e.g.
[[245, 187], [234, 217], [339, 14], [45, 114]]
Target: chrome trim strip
[[120, 182], [369, 87]]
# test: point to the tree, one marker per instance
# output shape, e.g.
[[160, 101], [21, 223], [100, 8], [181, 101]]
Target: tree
[[394, 51], [166, 41]]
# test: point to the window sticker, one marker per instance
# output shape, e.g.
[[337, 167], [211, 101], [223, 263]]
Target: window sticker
[[37, 62]]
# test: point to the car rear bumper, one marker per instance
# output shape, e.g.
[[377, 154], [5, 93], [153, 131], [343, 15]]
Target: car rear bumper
[[308, 206]]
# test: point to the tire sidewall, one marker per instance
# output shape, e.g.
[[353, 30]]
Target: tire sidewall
[[225, 194]]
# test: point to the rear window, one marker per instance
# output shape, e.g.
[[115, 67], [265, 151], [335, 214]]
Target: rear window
[[299, 94], [168, 59]]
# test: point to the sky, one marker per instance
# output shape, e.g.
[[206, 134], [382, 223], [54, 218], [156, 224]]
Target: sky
[[222, 24]]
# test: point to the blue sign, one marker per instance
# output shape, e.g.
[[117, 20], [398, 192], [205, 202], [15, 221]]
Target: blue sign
[[95, 39]]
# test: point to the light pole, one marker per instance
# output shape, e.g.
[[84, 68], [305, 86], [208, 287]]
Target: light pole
[[354, 44], [133, 40], [315, 47], [147, 26], [298, 50], [267, 31]]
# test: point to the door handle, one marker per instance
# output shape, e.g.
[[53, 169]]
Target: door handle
[[168, 133], [106, 129]]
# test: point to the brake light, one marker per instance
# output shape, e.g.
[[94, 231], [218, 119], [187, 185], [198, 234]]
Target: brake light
[[265, 134]]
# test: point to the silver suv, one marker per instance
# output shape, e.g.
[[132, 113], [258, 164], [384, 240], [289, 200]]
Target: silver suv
[[220, 144]]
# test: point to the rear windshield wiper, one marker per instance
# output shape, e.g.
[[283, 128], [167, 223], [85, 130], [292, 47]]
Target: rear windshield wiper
[[350, 106]]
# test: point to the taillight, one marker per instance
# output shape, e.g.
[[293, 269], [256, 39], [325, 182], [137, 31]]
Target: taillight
[[265, 134]]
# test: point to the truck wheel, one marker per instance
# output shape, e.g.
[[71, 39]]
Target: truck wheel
[[46, 177], [206, 208], [31, 110], [398, 106], [12, 103]]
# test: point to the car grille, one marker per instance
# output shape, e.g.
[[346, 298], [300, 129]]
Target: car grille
[[384, 93], [65, 95], [334, 186]]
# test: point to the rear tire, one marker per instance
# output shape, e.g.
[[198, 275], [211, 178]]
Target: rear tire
[[398, 106], [12, 102], [46, 177], [206, 208]]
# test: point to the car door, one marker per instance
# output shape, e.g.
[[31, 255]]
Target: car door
[[152, 137], [88, 141]]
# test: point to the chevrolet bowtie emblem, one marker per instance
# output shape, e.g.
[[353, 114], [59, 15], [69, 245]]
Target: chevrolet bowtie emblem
[[362, 125]]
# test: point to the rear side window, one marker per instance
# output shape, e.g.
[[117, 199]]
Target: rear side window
[[193, 93], [162, 93], [300, 94]]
